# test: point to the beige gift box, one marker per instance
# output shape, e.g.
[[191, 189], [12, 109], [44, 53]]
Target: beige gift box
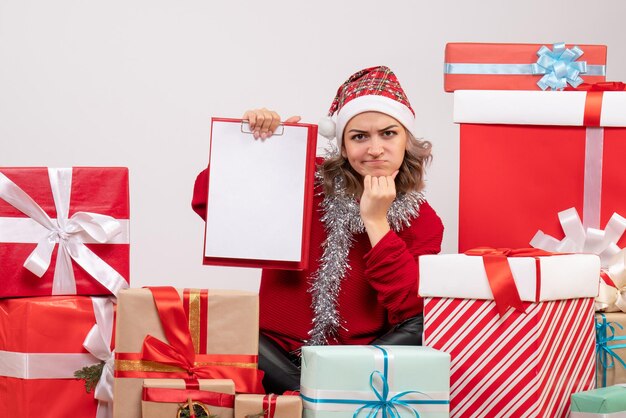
[[617, 373], [224, 329], [157, 403], [252, 406]]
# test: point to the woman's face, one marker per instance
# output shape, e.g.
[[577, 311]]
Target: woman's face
[[374, 144]]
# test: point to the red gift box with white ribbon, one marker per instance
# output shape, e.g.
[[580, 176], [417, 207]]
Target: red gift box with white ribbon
[[63, 231], [525, 156], [40, 354]]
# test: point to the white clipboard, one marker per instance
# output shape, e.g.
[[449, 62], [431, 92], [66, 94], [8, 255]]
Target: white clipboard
[[260, 195]]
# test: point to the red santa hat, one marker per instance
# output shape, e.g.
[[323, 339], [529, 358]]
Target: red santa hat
[[374, 89]]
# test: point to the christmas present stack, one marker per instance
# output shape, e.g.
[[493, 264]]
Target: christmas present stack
[[203, 344], [550, 156], [63, 248], [547, 156]]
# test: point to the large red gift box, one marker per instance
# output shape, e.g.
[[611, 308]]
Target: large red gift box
[[75, 219], [41, 347], [521, 363], [491, 66], [528, 155]]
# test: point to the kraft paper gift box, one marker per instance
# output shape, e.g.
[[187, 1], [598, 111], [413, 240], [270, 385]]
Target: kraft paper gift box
[[63, 231], [609, 402], [611, 348], [268, 406], [43, 342], [163, 398], [338, 381], [163, 332], [497, 66], [527, 157], [525, 361]]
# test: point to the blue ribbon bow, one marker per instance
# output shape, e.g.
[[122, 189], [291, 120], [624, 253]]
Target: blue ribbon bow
[[559, 67], [387, 406], [605, 334]]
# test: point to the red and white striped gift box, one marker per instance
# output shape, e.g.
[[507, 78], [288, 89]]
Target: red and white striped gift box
[[521, 364]]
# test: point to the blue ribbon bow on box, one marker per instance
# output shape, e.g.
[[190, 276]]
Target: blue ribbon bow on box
[[605, 334], [559, 67]]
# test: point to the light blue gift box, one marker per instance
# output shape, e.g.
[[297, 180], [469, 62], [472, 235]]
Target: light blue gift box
[[375, 381], [608, 402]]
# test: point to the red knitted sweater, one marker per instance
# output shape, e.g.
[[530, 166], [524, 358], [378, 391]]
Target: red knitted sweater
[[377, 292]]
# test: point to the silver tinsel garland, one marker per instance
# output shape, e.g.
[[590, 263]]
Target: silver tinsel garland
[[342, 219]]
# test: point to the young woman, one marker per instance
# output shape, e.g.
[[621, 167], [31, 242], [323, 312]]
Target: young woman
[[370, 225]]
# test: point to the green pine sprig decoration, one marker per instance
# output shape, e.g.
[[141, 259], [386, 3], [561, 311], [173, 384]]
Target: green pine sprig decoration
[[259, 415], [91, 375]]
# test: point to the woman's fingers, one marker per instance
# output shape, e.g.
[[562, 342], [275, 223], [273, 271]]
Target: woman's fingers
[[367, 184], [383, 186], [251, 117], [263, 122], [391, 182], [379, 184], [273, 124], [293, 119], [267, 122]]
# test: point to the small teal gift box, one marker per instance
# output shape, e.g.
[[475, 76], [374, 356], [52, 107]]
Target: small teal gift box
[[608, 402], [375, 381]]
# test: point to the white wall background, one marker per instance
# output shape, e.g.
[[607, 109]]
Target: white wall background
[[135, 82]]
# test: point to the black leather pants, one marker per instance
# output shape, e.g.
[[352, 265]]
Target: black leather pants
[[282, 369]]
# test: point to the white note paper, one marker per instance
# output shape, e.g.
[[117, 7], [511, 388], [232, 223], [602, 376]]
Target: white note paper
[[256, 193]]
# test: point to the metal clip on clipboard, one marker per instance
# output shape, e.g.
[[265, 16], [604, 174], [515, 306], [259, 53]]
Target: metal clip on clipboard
[[245, 128]]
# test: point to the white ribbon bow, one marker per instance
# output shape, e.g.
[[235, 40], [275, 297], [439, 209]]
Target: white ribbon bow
[[593, 241], [98, 343], [69, 233], [613, 299]]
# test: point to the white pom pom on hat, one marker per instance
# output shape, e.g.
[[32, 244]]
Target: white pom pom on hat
[[327, 127]]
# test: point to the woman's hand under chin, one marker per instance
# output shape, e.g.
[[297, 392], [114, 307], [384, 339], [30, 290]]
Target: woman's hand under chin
[[378, 195]]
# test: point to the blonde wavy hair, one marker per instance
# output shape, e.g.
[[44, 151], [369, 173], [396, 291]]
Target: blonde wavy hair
[[410, 176]]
